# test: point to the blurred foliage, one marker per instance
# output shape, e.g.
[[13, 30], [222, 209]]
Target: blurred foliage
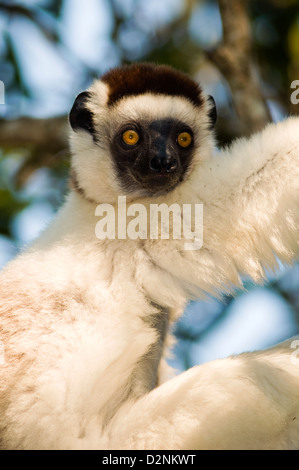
[[176, 32]]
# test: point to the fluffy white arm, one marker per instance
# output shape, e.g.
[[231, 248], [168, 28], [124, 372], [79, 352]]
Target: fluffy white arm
[[249, 401], [251, 196]]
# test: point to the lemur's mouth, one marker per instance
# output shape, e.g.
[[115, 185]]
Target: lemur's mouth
[[153, 184]]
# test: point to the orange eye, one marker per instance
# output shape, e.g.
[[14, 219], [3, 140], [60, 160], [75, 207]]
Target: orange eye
[[184, 139], [130, 137]]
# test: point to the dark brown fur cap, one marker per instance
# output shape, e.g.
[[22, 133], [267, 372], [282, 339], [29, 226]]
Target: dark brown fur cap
[[140, 78]]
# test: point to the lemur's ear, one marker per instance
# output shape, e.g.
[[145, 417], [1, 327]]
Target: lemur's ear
[[80, 117], [212, 111]]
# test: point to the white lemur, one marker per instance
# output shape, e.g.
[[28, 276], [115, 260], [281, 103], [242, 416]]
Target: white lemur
[[85, 321]]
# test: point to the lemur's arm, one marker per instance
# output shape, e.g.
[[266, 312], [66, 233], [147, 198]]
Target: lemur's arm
[[250, 401], [252, 198]]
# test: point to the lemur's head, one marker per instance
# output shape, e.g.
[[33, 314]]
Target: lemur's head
[[139, 131]]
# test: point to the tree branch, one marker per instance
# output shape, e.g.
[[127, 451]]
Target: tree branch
[[46, 139], [234, 58], [48, 134]]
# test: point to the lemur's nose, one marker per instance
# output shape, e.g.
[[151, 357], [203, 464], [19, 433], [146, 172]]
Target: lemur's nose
[[163, 164]]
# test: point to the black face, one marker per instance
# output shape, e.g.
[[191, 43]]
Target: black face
[[152, 156]]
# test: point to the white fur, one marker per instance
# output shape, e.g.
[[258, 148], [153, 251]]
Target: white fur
[[250, 401], [77, 312]]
